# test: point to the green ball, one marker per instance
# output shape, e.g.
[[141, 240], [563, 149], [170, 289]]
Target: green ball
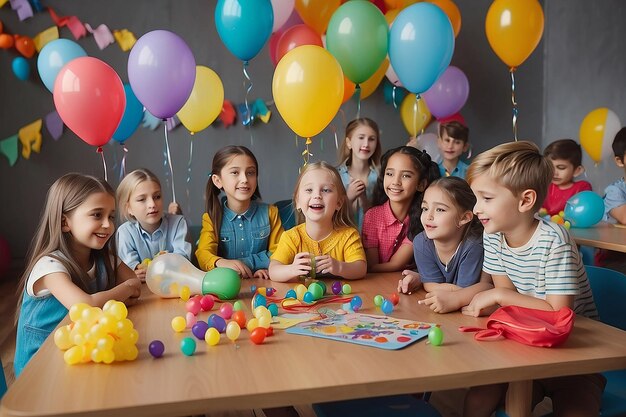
[[346, 289], [188, 346], [316, 290], [378, 300], [238, 305], [435, 336], [323, 285]]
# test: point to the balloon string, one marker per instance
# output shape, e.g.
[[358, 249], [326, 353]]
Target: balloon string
[[189, 173], [247, 84], [104, 163], [357, 91], [515, 111], [123, 163], [393, 96], [169, 162], [415, 107], [306, 154], [335, 135]]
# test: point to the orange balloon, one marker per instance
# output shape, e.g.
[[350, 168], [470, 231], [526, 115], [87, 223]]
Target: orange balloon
[[391, 15], [1, 27], [25, 45], [348, 89], [399, 4], [369, 86], [514, 29], [6, 41], [317, 13], [450, 9]]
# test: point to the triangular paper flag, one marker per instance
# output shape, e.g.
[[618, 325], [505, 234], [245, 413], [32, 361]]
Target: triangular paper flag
[[8, 148], [30, 137]]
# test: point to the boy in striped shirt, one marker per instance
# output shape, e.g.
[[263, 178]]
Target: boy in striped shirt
[[533, 263]]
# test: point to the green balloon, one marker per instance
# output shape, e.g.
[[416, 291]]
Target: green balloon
[[221, 282], [357, 36]]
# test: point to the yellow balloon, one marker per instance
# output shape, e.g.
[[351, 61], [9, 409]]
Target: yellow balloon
[[233, 331], [317, 13], [205, 102], [369, 86], [415, 117], [597, 131], [212, 336], [514, 29], [308, 89]]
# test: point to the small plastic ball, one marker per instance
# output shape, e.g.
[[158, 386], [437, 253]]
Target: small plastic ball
[[394, 298], [273, 309], [193, 306], [356, 303], [265, 322], [190, 320], [308, 297], [300, 291], [435, 336], [387, 307], [258, 300], [240, 318], [252, 324], [262, 291], [238, 305], [178, 324], [207, 302], [346, 289], [378, 300], [323, 285], [567, 224], [184, 293], [258, 335], [156, 348], [188, 346], [199, 329], [233, 331], [252, 289], [269, 331], [270, 291], [316, 291], [291, 294], [212, 336], [226, 310], [336, 287], [217, 322]]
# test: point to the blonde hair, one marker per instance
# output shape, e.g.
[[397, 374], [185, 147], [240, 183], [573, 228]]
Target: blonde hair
[[345, 154], [341, 217], [127, 187], [64, 196], [517, 166]]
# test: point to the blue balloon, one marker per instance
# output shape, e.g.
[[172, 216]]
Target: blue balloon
[[421, 44], [244, 25], [53, 56], [133, 114], [21, 69], [584, 209]]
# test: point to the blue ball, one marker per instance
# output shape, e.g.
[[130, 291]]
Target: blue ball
[[21, 68], [584, 209], [308, 297], [291, 294], [387, 307]]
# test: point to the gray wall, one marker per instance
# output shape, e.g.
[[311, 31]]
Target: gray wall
[[488, 110]]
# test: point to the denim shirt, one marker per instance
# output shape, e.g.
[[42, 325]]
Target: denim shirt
[[372, 178], [246, 236], [39, 316]]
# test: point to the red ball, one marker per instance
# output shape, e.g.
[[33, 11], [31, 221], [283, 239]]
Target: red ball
[[206, 303], [258, 335], [394, 298]]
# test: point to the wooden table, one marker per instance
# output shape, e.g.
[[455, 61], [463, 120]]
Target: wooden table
[[603, 236], [291, 369]]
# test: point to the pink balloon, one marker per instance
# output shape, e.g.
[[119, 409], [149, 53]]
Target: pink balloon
[[428, 142], [282, 11], [295, 36], [449, 93], [89, 96], [393, 77], [273, 44]]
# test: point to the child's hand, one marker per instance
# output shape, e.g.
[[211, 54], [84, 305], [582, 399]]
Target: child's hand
[[140, 272], [134, 285], [481, 301], [301, 264], [236, 265], [441, 301], [174, 208], [355, 189], [262, 273], [325, 264], [412, 142], [410, 282]]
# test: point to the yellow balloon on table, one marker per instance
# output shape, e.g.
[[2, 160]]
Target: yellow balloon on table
[[514, 29], [597, 131], [205, 101], [308, 89], [414, 117]]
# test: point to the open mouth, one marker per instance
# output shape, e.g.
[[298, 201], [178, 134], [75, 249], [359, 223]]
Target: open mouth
[[316, 206], [395, 190], [243, 189], [101, 235]]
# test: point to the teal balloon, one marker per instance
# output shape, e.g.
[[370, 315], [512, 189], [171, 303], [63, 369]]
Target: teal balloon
[[221, 282], [53, 56], [133, 114], [188, 346], [584, 209], [357, 36], [421, 44], [21, 69], [244, 25]]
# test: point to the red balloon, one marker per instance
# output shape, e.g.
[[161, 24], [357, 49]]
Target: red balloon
[[89, 96], [295, 36], [258, 335]]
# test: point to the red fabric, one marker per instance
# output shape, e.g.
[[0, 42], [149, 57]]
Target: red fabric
[[527, 325], [556, 198]]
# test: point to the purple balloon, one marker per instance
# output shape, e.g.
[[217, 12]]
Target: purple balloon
[[199, 329], [449, 93], [217, 322], [161, 71]]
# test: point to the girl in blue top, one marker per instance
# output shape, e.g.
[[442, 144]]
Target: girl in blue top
[[72, 260], [449, 252], [147, 231], [359, 158], [239, 231]]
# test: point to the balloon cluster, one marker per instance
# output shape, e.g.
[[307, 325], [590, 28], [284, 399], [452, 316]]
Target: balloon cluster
[[98, 334], [558, 218]]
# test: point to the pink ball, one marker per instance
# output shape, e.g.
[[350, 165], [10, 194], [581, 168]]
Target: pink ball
[[193, 306], [226, 310], [191, 319], [207, 302]]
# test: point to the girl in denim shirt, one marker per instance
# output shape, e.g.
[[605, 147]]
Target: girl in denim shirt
[[72, 260], [248, 229]]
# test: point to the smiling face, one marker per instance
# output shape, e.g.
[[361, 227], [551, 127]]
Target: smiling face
[[238, 179], [564, 172], [440, 217], [362, 142], [450, 148], [401, 179], [92, 223], [146, 205], [496, 206], [318, 197]]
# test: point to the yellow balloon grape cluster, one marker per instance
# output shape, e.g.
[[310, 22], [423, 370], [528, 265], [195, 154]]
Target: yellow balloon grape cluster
[[100, 335]]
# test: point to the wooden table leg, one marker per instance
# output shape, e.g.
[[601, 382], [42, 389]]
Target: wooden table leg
[[518, 399]]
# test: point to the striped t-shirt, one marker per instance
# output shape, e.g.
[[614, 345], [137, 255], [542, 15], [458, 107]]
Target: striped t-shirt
[[548, 264]]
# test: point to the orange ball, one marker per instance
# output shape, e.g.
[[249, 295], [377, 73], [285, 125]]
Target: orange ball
[[6, 41], [239, 317]]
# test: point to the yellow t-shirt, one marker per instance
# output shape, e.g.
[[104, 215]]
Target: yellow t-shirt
[[343, 245]]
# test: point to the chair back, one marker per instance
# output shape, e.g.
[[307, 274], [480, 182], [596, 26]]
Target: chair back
[[609, 292], [287, 213]]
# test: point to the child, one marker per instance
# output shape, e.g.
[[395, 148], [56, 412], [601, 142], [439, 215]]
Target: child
[[534, 263], [72, 260], [566, 157], [452, 143], [389, 226], [327, 240], [449, 252], [147, 231], [360, 161], [248, 229], [615, 194]]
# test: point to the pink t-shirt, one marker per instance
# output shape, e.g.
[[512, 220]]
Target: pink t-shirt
[[382, 230], [556, 198]]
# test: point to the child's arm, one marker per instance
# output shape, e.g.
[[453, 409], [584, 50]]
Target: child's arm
[[325, 264], [174, 208], [301, 266], [410, 282], [179, 242], [261, 260], [444, 298], [355, 189], [398, 261], [206, 252], [619, 214], [615, 203]]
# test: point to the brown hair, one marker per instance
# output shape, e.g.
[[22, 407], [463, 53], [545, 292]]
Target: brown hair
[[455, 130], [517, 166], [341, 217], [566, 149], [345, 154], [127, 187], [464, 200], [212, 193]]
